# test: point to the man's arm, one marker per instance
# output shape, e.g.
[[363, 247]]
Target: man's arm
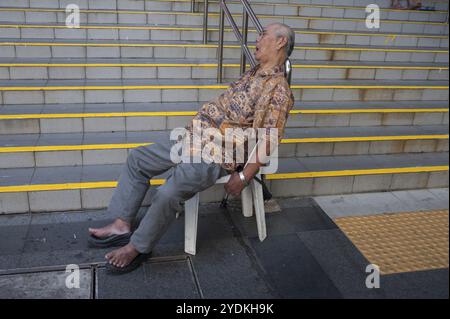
[[235, 185], [276, 117]]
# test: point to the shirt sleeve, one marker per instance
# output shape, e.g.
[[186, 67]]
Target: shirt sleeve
[[277, 112]]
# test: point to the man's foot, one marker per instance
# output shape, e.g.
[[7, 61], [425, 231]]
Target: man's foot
[[122, 257], [118, 227]]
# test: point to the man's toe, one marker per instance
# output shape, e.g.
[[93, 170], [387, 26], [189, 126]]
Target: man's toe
[[111, 255]]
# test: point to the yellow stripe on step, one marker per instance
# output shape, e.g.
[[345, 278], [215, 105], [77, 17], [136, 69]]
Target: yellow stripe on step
[[362, 139], [203, 87], [67, 186], [422, 169], [216, 14], [192, 113], [22, 149], [214, 65], [213, 46], [215, 29], [392, 110], [112, 87], [277, 176], [90, 115], [298, 17]]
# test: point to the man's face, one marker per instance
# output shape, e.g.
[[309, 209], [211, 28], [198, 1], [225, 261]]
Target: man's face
[[266, 44]]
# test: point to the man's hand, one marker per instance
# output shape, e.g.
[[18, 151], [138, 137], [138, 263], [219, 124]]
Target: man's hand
[[234, 186]]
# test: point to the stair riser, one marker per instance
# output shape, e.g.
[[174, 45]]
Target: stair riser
[[290, 16], [230, 73], [163, 19], [204, 95], [156, 123], [213, 35], [338, 12], [52, 201], [186, 5], [118, 156], [280, 12], [383, 4], [47, 51]]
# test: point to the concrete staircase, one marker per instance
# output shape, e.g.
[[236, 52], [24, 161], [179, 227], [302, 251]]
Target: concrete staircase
[[371, 110]]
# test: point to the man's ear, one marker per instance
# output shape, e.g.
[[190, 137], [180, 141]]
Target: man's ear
[[281, 42]]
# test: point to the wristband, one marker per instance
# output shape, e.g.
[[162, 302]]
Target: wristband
[[242, 177]]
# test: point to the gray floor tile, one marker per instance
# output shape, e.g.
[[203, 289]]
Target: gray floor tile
[[225, 270], [168, 280], [293, 271], [341, 260], [430, 284], [382, 202], [44, 285]]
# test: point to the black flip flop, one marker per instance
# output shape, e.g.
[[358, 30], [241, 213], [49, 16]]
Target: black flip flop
[[110, 241], [135, 263]]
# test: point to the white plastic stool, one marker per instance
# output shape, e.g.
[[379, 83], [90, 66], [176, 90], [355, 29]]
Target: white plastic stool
[[252, 195]]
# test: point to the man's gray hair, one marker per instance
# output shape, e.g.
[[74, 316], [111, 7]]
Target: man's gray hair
[[284, 30]]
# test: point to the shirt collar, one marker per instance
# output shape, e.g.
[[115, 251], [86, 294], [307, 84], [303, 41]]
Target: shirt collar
[[270, 71]]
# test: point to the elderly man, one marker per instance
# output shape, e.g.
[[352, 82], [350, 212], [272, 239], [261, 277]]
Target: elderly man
[[261, 98]]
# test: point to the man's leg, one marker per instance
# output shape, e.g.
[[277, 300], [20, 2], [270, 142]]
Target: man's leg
[[185, 181], [142, 164]]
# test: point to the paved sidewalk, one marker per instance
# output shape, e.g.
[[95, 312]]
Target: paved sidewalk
[[304, 256]]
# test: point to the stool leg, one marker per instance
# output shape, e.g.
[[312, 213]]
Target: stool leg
[[190, 227], [247, 202], [258, 201]]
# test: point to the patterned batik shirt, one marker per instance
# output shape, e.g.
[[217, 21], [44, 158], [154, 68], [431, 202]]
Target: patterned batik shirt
[[259, 99]]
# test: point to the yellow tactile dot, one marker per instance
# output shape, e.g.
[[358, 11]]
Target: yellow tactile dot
[[401, 242]]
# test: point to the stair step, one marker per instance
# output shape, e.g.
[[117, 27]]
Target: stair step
[[129, 117], [260, 6], [332, 31], [32, 48], [86, 187], [74, 149], [116, 91], [286, 14], [79, 69], [193, 33]]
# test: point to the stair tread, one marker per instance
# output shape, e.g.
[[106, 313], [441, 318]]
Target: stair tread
[[55, 139], [258, 2], [253, 3], [194, 106], [204, 82], [111, 172], [251, 27], [200, 44], [207, 61]]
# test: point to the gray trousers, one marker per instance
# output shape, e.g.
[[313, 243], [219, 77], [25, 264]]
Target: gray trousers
[[186, 180]]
